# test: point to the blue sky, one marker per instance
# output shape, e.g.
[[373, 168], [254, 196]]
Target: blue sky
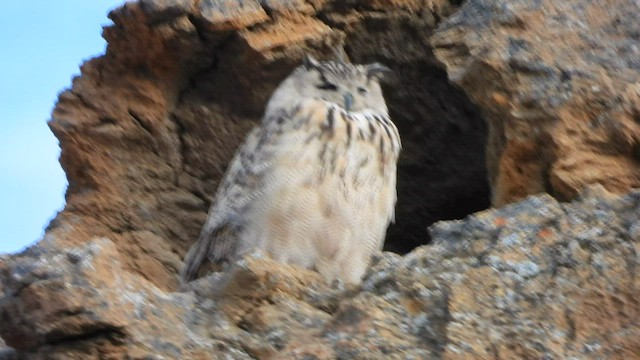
[[42, 44]]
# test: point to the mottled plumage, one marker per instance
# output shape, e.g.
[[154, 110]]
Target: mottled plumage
[[315, 183]]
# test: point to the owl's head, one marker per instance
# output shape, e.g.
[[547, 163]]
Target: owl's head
[[351, 86]]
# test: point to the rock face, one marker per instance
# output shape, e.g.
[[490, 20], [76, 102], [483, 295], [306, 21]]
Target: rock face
[[147, 130], [559, 84], [536, 279]]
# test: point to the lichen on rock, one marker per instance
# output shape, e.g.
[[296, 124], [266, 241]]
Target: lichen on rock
[[558, 83], [535, 279]]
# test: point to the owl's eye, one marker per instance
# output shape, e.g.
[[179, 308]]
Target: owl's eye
[[362, 90], [327, 86]]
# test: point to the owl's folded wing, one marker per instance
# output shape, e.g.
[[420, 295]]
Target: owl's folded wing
[[243, 183]]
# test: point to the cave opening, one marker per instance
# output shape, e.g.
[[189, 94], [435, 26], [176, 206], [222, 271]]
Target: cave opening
[[442, 170]]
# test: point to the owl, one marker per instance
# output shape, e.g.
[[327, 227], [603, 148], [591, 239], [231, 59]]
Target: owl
[[314, 184]]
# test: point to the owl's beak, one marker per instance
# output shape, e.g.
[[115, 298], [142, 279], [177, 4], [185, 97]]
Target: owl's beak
[[348, 101]]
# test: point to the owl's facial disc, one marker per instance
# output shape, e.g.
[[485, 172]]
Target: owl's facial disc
[[354, 87]]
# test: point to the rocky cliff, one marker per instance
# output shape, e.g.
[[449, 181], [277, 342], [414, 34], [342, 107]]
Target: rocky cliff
[[509, 98], [559, 86]]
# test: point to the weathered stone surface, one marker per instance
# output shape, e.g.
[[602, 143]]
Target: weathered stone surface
[[290, 7], [559, 83], [536, 279], [285, 33], [159, 10], [546, 280], [80, 304], [221, 15]]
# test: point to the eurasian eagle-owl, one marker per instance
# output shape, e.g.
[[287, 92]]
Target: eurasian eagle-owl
[[314, 184]]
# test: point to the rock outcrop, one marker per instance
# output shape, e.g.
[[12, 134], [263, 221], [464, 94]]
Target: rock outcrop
[[536, 279], [147, 130], [559, 84]]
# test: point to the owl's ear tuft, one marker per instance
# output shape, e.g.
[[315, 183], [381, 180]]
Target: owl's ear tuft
[[377, 71], [310, 62]]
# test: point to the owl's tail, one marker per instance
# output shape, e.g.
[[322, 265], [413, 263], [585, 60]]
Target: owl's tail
[[214, 244]]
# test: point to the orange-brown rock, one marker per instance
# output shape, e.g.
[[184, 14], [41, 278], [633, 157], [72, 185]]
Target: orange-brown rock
[[231, 15], [559, 84]]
